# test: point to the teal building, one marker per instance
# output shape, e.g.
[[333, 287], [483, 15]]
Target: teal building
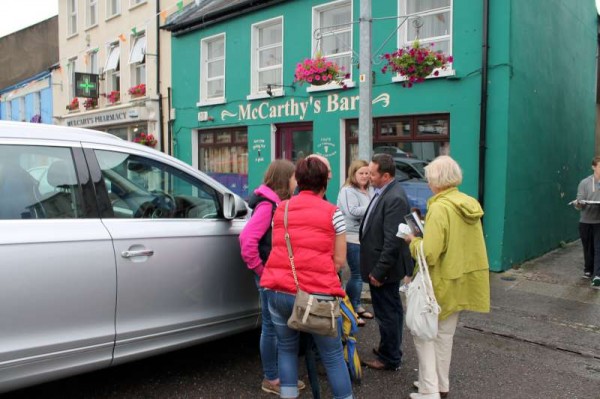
[[516, 107]]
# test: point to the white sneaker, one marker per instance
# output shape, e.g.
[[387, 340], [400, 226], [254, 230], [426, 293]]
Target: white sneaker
[[425, 396], [416, 384]]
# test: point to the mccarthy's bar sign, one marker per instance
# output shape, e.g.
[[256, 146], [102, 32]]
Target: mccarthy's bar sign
[[300, 109]]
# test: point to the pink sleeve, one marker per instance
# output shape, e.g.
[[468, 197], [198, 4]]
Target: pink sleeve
[[256, 227]]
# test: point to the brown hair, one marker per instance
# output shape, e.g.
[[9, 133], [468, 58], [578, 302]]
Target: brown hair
[[595, 161], [385, 164], [352, 169], [311, 174], [277, 178]]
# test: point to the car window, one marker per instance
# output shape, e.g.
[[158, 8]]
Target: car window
[[38, 182], [140, 187], [408, 169]]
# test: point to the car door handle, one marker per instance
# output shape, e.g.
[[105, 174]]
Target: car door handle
[[132, 254]]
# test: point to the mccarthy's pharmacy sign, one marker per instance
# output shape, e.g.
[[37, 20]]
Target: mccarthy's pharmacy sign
[[294, 108]]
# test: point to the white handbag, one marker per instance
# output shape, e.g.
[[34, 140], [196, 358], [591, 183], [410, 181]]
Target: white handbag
[[422, 309]]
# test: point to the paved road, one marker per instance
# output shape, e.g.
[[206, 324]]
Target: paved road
[[541, 340]]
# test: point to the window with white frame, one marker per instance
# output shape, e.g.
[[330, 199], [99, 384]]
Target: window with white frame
[[212, 68], [113, 7], [91, 14], [112, 69], [437, 23], [93, 61], [137, 59], [71, 17], [267, 57], [334, 23], [71, 75]]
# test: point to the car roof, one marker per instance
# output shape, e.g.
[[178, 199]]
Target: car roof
[[409, 160], [19, 130]]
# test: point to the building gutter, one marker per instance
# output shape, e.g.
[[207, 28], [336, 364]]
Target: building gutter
[[484, 100], [158, 91], [221, 15]]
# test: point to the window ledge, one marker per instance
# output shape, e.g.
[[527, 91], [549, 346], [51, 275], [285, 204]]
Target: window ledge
[[212, 101], [331, 86], [137, 5], [443, 73], [91, 27], [72, 35], [112, 17], [262, 96]]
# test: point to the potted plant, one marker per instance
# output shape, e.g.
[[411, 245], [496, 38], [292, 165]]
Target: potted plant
[[90, 103], [145, 139], [73, 105], [319, 71], [113, 97], [138, 90], [415, 62]]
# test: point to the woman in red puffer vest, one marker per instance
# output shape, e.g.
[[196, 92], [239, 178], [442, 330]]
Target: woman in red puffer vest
[[318, 237]]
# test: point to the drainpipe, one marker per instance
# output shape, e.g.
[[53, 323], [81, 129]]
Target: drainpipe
[[160, 107], [170, 123], [484, 98]]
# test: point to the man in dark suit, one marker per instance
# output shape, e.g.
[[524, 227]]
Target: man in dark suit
[[385, 259]]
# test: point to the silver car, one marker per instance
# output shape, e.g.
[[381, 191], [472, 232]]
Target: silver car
[[109, 252]]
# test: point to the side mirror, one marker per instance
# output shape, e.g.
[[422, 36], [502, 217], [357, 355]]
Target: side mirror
[[233, 206]]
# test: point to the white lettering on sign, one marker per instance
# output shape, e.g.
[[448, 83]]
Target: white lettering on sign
[[299, 109]]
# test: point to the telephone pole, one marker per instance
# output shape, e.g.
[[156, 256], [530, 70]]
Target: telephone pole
[[365, 118]]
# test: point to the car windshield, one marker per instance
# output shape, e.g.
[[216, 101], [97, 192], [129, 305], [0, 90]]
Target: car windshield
[[414, 169]]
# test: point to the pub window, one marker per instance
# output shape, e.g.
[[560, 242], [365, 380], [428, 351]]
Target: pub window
[[224, 157], [422, 137]]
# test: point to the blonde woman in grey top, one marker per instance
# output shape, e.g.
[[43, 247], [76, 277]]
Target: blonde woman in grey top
[[353, 200], [589, 223]]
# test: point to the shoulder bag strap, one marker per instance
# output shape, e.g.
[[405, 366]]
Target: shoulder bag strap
[[289, 244]]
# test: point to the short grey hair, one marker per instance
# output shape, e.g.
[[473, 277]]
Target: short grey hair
[[443, 172]]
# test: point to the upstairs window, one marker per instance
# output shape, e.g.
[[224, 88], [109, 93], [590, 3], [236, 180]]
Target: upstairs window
[[93, 62], [212, 69], [113, 7], [334, 23], [112, 69], [71, 74], [137, 60], [267, 56], [71, 17], [91, 13], [8, 109], [437, 23]]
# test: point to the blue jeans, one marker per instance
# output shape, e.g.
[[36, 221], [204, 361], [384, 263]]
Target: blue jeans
[[330, 350], [389, 314], [268, 338], [354, 285]]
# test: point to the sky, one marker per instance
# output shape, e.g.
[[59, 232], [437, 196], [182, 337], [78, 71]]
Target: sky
[[19, 14]]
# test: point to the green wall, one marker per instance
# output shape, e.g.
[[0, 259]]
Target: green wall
[[551, 122]]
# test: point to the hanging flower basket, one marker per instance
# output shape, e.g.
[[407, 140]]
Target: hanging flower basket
[[138, 90], [145, 139], [90, 103], [319, 71], [73, 105], [415, 62]]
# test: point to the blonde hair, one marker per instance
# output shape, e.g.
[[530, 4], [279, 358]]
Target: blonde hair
[[443, 172], [352, 169]]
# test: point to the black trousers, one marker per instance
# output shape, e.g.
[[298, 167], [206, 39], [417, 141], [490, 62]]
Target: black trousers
[[389, 315], [590, 239]]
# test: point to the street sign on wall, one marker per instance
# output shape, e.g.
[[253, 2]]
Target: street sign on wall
[[86, 85]]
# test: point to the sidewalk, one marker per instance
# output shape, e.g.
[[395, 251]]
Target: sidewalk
[[541, 339]]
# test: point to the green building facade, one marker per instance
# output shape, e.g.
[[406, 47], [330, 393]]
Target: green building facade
[[524, 138]]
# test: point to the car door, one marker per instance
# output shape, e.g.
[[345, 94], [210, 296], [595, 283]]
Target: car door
[[57, 273], [181, 278]]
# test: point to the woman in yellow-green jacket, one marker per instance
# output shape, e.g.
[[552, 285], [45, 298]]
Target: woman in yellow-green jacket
[[455, 251]]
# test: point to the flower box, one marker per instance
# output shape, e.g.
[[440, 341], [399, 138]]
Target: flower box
[[73, 105], [113, 97], [90, 103], [145, 139], [138, 90], [415, 62]]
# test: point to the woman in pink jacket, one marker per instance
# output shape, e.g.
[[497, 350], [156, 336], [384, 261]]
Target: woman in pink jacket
[[279, 184]]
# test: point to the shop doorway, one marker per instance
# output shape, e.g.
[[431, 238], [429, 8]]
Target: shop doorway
[[293, 141]]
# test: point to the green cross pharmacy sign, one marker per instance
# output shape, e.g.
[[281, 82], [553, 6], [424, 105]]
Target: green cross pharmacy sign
[[86, 85]]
